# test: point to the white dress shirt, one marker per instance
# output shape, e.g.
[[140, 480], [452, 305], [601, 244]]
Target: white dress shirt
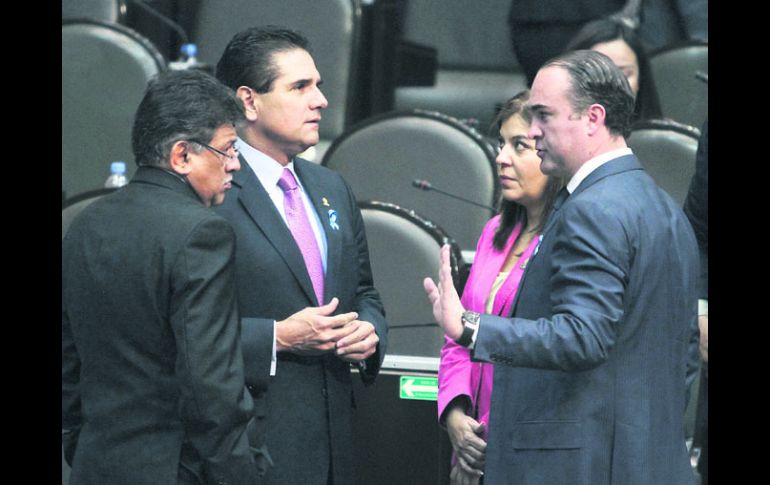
[[593, 164], [269, 171]]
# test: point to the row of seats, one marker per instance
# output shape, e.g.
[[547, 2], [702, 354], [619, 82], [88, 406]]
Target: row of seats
[[380, 156], [105, 64]]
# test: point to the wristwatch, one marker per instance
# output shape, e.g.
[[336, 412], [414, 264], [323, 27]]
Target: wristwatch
[[470, 326]]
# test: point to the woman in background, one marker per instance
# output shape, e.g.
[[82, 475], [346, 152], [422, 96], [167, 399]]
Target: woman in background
[[620, 43]]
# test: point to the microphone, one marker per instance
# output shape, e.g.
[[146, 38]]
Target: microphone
[[702, 76], [425, 185]]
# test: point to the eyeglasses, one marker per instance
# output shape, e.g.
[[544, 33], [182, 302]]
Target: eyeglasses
[[218, 152]]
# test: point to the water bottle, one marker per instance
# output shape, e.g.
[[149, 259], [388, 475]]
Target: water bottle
[[117, 176], [188, 59], [189, 52]]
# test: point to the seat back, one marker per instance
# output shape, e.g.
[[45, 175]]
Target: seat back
[[72, 206], [383, 155], [332, 27], [104, 10], [477, 70], [667, 151], [403, 250], [105, 70], [683, 96]]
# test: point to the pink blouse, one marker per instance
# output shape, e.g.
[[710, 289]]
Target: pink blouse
[[457, 374]]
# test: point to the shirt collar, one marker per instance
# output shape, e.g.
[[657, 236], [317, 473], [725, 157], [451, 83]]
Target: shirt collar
[[267, 169], [594, 163]]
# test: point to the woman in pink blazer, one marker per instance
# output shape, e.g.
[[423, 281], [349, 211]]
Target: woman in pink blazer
[[504, 248]]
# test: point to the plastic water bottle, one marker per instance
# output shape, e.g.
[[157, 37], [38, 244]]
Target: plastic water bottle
[[189, 52], [117, 176], [188, 59]]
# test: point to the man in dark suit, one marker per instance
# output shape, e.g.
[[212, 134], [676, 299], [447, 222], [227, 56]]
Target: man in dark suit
[[309, 330], [696, 207], [590, 381], [153, 386]]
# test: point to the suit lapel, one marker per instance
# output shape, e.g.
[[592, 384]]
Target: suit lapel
[[615, 166], [618, 165], [258, 205], [324, 203]]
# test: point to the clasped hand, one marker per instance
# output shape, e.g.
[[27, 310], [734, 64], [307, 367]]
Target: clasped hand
[[315, 331], [470, 449]]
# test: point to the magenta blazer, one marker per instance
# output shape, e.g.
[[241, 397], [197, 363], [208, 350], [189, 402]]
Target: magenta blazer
[[457, 375]]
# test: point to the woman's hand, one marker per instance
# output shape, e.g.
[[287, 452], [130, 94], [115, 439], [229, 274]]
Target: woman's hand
[[470, 449]]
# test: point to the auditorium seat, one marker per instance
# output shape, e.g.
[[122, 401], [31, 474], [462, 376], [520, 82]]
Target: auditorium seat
[[477, 70], [105, 69], [72, 206], [683, 95], [403, 250], [332, 27], [667, 150], [104, 10], [381, 157]]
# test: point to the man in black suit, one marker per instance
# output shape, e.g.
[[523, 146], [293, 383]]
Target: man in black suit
[[153, 387], [309, 331]]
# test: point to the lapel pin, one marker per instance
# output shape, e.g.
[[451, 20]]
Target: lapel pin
[[325, 201], [333, 219]]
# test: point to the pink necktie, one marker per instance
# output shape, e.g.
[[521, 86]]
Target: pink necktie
[[299, 224]]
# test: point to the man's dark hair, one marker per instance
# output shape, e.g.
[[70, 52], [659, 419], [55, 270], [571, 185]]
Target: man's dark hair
[[597, 80], [180, 105], [248, 57]]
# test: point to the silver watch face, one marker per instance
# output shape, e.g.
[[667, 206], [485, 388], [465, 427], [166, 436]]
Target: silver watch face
[[471, 318]]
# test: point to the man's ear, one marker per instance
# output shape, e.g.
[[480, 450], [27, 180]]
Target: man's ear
[[178, 159], [250, 102], [596, 115]]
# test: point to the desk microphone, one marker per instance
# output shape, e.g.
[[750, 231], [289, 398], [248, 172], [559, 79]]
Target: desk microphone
[[425, 185]]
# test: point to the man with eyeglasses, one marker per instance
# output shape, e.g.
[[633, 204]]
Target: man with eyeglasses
[[153, 388], [302, 261]]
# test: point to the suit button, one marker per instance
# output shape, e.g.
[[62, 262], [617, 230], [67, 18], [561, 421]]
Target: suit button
[[325, 392]]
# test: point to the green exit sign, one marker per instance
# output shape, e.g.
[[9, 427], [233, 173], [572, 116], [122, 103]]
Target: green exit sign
[[418, 387]]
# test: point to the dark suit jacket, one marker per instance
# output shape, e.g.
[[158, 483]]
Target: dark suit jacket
[[152, 371], [307, 408], [590, 383], [696, 206]]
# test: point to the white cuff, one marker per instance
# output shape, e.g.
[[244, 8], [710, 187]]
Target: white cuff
[[273, 360], [703, 307]]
